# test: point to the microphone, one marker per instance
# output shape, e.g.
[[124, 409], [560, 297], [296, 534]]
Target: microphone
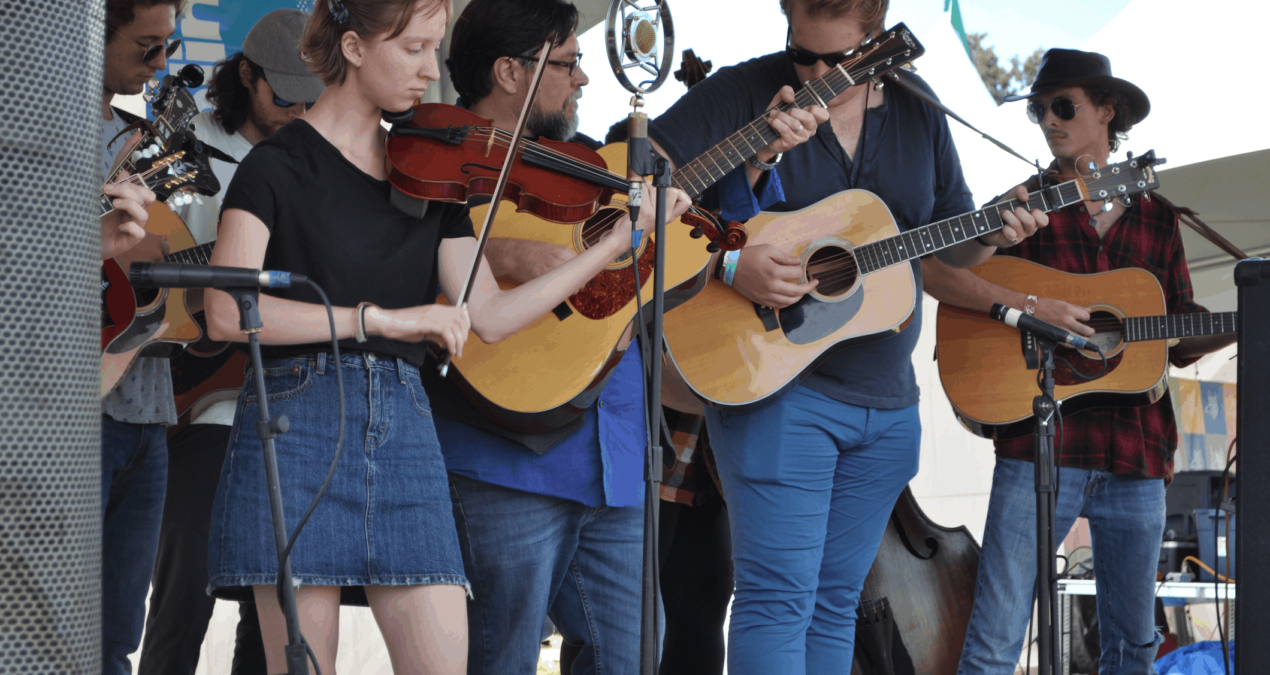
[[176, 275], [1016, 319]]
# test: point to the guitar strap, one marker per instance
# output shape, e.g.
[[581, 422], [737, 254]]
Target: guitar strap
[[914, 89]]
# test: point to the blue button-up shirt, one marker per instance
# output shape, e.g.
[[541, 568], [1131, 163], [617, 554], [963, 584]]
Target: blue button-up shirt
[[600, 464]]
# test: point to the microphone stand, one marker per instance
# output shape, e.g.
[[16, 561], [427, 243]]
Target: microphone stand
[[1044, 409], [248, 301], [642, 160]]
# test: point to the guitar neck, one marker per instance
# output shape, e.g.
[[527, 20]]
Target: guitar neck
[[947, 233], [699, 174], [1170, 326], [195, 255]]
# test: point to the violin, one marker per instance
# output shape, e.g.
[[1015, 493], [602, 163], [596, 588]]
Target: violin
[[441, 152]]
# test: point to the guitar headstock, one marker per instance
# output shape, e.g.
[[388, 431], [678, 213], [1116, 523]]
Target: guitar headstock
[[184, 170], [174, 108], [891, 49], [1115, 181]]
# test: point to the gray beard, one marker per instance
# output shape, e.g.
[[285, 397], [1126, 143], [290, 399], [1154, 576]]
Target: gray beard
[[556, 126]]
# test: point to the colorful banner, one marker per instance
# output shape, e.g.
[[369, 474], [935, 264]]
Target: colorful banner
[[212, 30], [1205, 413]]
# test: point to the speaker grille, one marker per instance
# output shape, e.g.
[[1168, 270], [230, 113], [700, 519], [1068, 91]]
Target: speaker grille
[[50, 426]]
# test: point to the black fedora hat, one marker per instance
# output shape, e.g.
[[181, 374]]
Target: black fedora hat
[[1070, 67]]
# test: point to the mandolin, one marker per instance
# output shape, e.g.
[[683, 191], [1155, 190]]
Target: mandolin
[[982, 365], [548, 373], [738, 356], [187, 169]]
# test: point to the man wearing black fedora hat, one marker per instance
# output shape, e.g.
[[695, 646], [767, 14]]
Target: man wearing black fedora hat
[[1114, 462]]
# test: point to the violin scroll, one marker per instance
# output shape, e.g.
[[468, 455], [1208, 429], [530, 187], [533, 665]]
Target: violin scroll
[[731, 237]]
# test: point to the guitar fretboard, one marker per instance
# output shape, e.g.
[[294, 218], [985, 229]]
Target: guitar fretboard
[[195, 255], [945, 233], [1169, 326], [699, 174]]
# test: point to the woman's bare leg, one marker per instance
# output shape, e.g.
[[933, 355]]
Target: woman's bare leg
[[425, 627], [319, 609]]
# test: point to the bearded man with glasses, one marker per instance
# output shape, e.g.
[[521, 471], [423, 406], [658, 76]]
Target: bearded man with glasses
[[1113, 462]]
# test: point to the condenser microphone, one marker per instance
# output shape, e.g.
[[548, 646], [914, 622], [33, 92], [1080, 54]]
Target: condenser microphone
[[1016, 319], [177, 275]]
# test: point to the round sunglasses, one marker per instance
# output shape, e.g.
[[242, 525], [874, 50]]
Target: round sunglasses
[[1062, 107], [168, 50]]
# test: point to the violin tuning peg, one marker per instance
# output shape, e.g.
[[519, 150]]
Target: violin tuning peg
[[713, 247], [696, 233]]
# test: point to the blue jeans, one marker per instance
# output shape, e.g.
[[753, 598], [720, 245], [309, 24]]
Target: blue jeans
[[134, 476], [529, 556], [810, 483], [1126, 521]]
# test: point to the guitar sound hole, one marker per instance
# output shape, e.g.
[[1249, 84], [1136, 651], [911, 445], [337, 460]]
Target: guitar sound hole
[[1110, 331], [597, 227], [835, 268]]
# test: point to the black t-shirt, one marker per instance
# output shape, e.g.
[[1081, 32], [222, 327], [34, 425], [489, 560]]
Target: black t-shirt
[[332, 222]]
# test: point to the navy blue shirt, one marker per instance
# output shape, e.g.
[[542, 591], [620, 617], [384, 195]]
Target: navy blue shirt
[[908, 160]]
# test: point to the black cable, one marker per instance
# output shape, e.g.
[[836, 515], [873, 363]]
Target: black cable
[[312, 657], [339, 443]]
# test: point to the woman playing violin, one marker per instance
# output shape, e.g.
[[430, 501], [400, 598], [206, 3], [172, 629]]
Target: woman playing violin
[[313, 199]]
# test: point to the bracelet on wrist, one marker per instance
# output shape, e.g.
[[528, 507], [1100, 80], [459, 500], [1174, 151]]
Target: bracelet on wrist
[[729, 266], [1029, 305], [360, 334], [766, 166]]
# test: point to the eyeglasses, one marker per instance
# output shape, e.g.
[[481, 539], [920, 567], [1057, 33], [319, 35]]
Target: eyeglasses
[[571, 65], [1062, 107], [806, 57], [168, 50]]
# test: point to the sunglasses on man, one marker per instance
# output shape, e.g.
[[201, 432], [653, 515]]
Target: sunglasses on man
[[168, 50], [806, 57], [1062, 107], [281, 102]]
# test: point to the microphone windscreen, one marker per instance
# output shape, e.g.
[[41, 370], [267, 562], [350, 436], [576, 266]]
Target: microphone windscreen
[[644, 37]]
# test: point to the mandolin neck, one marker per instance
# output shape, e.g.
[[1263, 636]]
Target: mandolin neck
[[1170, 326], [947, 233], [195, 255]]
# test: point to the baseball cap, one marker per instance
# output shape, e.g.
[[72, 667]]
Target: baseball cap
[[274, 45]]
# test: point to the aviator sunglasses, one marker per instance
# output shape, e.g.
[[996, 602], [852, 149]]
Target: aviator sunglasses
[[1062, 107], [168, 50]]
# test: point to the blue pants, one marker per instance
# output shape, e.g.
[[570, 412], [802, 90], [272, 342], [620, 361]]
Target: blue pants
[[529, 556], [810, 483], [1126, 521], [134, 475]]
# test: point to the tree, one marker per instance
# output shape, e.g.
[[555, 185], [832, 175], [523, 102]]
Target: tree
[[999, 81]]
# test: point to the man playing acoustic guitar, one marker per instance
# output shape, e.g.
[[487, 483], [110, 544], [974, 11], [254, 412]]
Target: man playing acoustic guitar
[[1114, 461], [811, 478]]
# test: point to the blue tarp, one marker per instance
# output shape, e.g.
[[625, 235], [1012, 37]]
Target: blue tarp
[[1201, 658]]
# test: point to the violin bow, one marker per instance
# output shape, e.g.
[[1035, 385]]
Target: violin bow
[[444, 367]]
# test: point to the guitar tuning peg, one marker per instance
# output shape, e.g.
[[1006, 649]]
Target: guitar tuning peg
[[136, 155], [1146, 195], [1126, 200], [713, 247], [1092, 165], [696, 233], [198, 200], [1106, 206], [878, 84]]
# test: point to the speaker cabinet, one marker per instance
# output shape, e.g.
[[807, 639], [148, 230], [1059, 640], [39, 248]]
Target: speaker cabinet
[[1252, 610]]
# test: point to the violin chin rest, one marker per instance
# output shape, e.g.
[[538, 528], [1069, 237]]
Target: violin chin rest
[[399, 117]]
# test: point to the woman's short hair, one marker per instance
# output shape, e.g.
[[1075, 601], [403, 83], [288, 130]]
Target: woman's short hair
[[370, 19]]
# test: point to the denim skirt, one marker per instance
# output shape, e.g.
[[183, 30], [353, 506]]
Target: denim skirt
[[385, 519]]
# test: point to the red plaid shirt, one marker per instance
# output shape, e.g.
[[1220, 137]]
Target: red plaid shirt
[[1136, 441]]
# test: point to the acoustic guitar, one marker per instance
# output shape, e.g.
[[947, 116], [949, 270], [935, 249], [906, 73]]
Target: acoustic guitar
[[157, 327], [549, 372], [985, 374], [738, 356]]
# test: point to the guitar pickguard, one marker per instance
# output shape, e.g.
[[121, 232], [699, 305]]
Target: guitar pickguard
[[811, 319]]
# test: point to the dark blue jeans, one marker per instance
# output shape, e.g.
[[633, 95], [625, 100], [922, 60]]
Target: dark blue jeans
[[1126, 523], [529, 555], [134, 474]]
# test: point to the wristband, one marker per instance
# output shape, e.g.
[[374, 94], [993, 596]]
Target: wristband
[[1029, 305], [729, 266], [360, 335]]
